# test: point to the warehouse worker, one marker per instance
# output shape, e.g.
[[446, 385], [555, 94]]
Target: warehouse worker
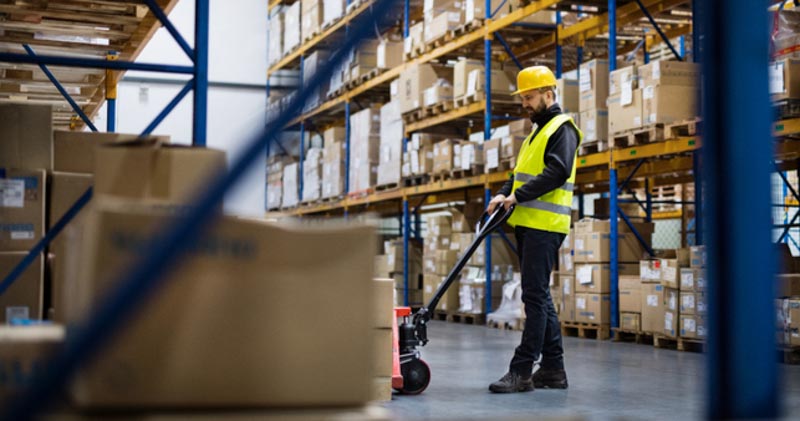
[[541, 190]]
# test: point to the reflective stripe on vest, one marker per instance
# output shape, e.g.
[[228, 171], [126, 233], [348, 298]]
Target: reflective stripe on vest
[[552, 210]]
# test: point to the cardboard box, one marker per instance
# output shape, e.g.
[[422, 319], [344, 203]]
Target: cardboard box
[[24, 298], [653, 307], [384, 303], [23, 196], [784, 79], [667, 103], [693, 279], [26, 131], [671, 269], [431, 284], [382, 389], [593, 308], [501, 254], [669, 73], [630, 294], [630, 322], [594, 125], [440, 25], [291, 27], [701, 306], [594, 248], [567, 95], [687, 303], [445, 260], [75, 151], [414, 281], [382, 352], [275, 40], [510, 146], [502, 82], [697, 256], [596, 278], [568, 298], [593, 85], [671, 312], [491, 154], [650, 271], [625, 112], [413, 82], [166, 173], [65, 190], [461, 70], [188, 325], [443, 157], [333, 10], [788, 285], [24, 352], [476, 9], [622, 80], [390, 54], [416, 38], [689, 326], [793, 322]]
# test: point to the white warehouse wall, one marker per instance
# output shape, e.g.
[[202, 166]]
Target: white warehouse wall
[[236, 95]]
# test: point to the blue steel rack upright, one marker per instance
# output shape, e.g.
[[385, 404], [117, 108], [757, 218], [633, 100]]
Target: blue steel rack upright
[[198, 84]]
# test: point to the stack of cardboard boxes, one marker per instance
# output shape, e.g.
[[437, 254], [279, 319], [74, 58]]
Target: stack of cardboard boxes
[[275, 39], [312, 171], [290, 194], [438, 259], [364, 148], [390, 265], [26, 158], [565, 280], [312, 16], [391, 144], [382, 337], [593, 91], [415, 79], [592, 271], [440, 17], [313, 63], [333, 162], [500, 152], [291, 28], [418, 158]]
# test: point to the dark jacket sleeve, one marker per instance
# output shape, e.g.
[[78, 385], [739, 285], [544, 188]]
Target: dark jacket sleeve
[[559, 157], [506, 189]]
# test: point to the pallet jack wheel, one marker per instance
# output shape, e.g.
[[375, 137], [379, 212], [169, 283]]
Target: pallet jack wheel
[[416, 376]]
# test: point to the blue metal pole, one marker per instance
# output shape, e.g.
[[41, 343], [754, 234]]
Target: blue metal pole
[[200, 72], [111, 94], [698, 198], [62, 91], [612, 40], [559, 58], [406, 235], [612, 246], [93, 63], [301, 163], [743, 377], [488, 261], [347, 147], [646, 51], [406, 13], [682, 46], [696, 19]]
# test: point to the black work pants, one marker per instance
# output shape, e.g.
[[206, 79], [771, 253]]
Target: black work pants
[[538, 251]]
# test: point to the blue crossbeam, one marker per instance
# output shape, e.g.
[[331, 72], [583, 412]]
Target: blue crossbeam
[[168, 109], [93, 63], [658, 29]]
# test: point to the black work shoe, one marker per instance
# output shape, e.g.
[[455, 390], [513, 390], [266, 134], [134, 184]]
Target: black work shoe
[[511, 383], [550, 379]]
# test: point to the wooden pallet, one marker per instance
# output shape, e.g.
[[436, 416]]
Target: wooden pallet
[[596, 146], [467, 318], [622, 335], [497, 100], [516, 324], [442, 176], [372, 74], [789, 355], [310, 36], [466, 28], [787, 108], [680, 344], [360, 194], [475, 169], [387, 186], [681, 128], [438, 108], [638, 136], [331, 199], [440, 41], [416, 180], [585, 330], [335, 94], [416, 51], [440, 315]]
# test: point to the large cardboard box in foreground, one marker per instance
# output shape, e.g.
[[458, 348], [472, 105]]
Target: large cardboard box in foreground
[[74, 151], [241, 322], [23, 299], [22, 208]]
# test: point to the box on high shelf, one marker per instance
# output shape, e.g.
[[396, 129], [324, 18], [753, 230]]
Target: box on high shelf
[[439, 26], [291, 28], [391, 144], [332, 10], [624, 80], [365, 143], [389, 54], [275, 39], [290, 194], [415, 39], [502, 83], [593, 85], [433, 8], [113, 237], [594, 125], [567, 95], [415, 79], [440, 92], [625, 111], [311, 65], [312, 171]]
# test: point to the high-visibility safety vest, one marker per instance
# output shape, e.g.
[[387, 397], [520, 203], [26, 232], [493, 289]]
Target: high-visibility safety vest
[[551, 211]]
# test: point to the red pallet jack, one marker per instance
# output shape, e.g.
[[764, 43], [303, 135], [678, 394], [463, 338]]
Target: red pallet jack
[[410, 374]]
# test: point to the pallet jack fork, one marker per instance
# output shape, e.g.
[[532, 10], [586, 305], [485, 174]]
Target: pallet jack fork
[[411, 375]]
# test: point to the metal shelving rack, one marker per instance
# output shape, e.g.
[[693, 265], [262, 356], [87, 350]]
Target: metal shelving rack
[[549, 40]]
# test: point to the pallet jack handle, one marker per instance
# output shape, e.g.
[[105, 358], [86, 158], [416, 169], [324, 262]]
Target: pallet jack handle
[[485, 226]]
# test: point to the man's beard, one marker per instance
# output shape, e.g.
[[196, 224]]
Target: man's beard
[[538, 110]]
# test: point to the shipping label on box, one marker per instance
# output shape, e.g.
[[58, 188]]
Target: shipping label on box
[[671, 321], [688, 326], [687, 303], [697, 256], [693, 279], [593, 85], [596, 278], [22, 209]]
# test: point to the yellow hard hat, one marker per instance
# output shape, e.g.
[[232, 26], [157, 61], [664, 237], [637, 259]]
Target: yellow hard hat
[[534, 77]]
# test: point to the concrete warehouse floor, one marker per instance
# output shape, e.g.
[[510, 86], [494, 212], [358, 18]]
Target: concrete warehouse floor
[[606, 380]]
